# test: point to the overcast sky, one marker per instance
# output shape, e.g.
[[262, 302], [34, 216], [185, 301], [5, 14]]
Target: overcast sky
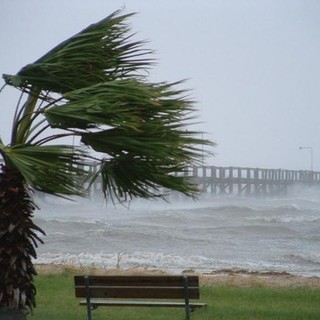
[[252, 65]]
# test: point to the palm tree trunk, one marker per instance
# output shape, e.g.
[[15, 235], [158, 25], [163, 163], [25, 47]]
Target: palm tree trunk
[[7, 314], [18, 238]]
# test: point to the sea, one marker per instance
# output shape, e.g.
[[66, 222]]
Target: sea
[[212, 233]]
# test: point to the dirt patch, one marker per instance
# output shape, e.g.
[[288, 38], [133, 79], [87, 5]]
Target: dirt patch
[[259, 279]]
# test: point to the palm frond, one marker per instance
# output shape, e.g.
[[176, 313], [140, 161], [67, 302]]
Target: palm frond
[[126, 177], [52, 169], [101, 52], [146, 165], [118, 103]]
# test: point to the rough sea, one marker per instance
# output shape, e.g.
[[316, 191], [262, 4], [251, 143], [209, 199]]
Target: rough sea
[[211, 234]]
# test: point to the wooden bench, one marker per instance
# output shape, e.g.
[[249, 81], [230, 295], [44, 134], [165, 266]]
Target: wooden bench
[[138, 291]]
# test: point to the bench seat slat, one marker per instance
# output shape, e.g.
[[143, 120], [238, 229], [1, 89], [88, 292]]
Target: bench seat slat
[[137, 292], [144, 303]]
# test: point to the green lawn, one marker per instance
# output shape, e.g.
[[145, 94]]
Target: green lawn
[[56, 301]]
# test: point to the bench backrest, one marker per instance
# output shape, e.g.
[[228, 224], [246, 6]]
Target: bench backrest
[[140, 287]]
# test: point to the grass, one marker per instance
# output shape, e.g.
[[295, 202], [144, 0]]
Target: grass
[[56, 301]]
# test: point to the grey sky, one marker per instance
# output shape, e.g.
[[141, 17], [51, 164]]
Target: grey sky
[[253, 65]]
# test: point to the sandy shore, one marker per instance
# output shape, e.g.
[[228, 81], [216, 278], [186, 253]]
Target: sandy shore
[[241, 278]]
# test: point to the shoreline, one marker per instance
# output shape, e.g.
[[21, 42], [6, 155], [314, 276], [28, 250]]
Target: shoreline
[[224, 277]]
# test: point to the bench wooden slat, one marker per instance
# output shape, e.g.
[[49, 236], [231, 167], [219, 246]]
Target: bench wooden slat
[[144, 303], [137, 292], [165, 281]]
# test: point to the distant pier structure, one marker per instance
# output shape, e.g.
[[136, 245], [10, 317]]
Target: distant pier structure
[[238, 180], [243, 181], [249, 181]]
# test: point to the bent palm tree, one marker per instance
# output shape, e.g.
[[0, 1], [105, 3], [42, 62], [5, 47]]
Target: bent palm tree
[[92, 86]]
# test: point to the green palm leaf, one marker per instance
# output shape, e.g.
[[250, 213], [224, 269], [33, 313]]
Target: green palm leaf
[[51, 169], [101, 52], [125, 103], [127, 177]]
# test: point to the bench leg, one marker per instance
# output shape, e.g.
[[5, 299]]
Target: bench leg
[[186, 296], [187, 313], [89, 312], [89, 309]]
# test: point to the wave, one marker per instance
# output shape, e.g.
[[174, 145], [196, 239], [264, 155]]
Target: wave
[[303, 259], [285, 218]]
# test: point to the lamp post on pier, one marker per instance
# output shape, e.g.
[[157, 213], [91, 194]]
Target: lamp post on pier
[[311, 154]]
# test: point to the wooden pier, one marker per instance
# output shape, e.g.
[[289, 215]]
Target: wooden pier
[[244, 181], [250, 181], [240, 180]]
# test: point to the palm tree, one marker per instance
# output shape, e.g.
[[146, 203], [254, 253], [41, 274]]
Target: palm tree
[[94, 87]]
